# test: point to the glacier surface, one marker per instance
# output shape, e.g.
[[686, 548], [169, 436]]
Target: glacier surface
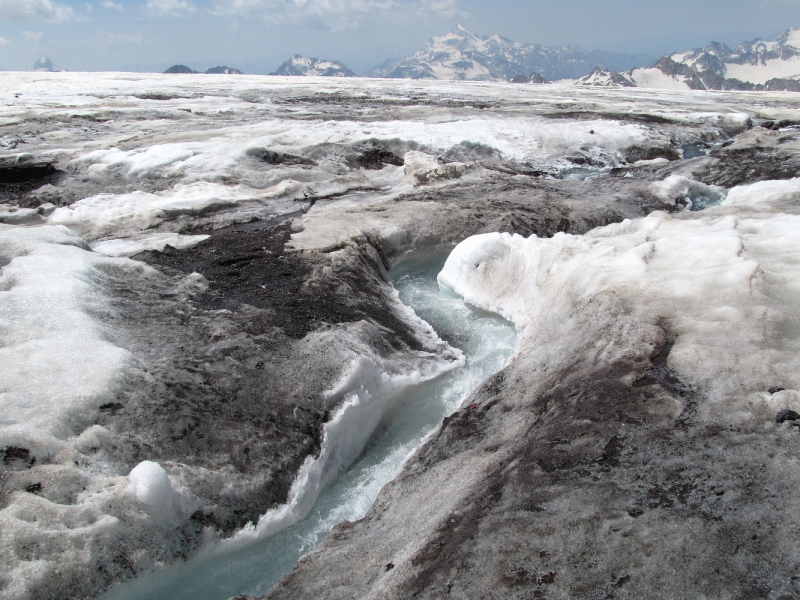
[[198, 333]]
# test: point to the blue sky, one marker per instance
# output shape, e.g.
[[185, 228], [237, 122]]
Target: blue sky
[[257, 35]]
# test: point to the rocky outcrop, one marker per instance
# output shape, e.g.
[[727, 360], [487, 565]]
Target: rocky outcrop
[[180, 69], [601, 78], [223, 71], [532, 78]]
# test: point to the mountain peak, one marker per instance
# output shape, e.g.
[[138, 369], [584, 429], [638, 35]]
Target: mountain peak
[[45, 64], [300, 66]]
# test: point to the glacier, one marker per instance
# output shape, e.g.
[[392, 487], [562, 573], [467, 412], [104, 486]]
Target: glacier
[[200, 332]]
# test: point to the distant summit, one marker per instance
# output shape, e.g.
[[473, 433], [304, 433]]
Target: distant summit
[[44, 64], [532, 78], [223, 71], [462, 55], [601, 78], [311, 67], [180, 69], [212, 71]]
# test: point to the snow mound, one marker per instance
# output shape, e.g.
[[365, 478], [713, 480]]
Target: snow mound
[[150, 485]]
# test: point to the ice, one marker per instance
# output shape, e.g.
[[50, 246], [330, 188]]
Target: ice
[[724, 278], [58, 363], [769, 195], [366, 392], [694, 195], [13, 215], [150, 161], [157, 148], [150, 484], [154, 241], [253, 568]]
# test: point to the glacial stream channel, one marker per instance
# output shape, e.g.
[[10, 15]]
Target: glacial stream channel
[[487, 341]]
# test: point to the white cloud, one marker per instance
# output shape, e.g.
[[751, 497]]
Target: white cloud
[[111, 5], [4, 41], [169, 8], [334, 14], [32, 36], [35, 10]]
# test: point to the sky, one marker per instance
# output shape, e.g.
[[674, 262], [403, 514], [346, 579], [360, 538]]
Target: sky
[[256, 36]]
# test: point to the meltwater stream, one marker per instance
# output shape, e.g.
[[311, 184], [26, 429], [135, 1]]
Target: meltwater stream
[[487, 341]]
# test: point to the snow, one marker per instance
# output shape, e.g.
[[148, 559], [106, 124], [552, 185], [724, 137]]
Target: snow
[[599, 78], [655, 78], [793, 39], [58, 363], [154, 241], [776, 195], [108, 214], [150, 484], [775, 68]]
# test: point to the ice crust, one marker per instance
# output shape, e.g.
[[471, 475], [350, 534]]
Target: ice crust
[[722, 281]]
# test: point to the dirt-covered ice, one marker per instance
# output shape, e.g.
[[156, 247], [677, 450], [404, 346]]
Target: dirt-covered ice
[[198, 332]]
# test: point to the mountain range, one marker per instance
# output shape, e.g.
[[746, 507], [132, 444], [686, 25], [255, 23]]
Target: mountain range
[[755, 65], [463, 55]]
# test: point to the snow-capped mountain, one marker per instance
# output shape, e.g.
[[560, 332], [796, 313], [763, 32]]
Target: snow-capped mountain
[[755, 65], [45, 64], [311, 67], [599, 77], [463, 55]]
